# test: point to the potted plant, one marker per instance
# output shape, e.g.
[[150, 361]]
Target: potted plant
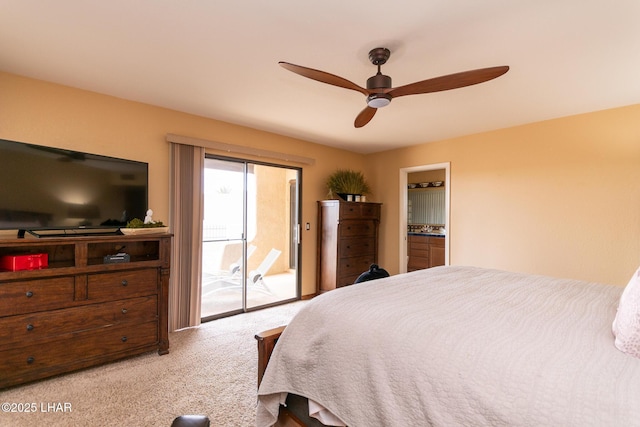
[[346, 182]]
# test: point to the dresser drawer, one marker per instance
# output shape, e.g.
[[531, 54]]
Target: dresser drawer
[[24, 329], [357, 228], [419, 242], [349, 279], [419, 253], [70, 350], [437, 241], [359, 210], [354, 266], [35, 295], [122, 284], [357, 246], [417, 263]]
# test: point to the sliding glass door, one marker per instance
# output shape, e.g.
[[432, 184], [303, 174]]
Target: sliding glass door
[[251, 238]]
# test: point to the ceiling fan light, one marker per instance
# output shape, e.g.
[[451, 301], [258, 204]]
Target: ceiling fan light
[[378, 100]]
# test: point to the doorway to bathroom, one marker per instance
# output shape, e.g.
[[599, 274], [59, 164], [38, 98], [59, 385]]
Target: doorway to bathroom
[[426, 207]]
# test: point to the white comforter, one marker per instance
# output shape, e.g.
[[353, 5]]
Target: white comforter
[[458, 346]]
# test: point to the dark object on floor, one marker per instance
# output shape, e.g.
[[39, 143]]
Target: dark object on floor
[[374, 272], [191, 421]]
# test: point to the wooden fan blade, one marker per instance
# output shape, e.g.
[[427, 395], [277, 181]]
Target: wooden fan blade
[[451, 81], [323, 77], [365, 116]]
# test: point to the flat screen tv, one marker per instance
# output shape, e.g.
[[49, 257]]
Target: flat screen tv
[[50, 191]]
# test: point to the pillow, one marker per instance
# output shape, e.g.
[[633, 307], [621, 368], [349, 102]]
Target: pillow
[[626, 325]]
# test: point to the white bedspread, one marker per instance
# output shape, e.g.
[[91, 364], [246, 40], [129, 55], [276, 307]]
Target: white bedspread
[[458, 346]]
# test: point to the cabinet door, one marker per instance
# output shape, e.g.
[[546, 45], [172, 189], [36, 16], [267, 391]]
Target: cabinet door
[[436, 256]]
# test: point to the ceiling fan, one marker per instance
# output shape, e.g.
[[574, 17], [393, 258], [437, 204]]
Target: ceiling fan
[[379, 91]]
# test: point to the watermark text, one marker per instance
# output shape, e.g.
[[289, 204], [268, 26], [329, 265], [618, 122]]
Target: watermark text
[[40, 407]]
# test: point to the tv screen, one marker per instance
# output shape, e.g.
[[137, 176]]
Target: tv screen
[[45, 188]]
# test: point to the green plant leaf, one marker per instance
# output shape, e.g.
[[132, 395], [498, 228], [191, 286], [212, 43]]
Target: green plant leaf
[[347, 181]]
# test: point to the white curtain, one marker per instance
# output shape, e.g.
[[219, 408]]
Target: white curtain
[[186, 199]]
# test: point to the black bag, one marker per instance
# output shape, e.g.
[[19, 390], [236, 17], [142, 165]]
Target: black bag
[[374, 272]]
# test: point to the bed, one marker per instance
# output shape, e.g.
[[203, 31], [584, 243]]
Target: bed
[[456, 346]]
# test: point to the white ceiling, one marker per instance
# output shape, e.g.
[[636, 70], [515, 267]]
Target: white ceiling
[[219, 59]]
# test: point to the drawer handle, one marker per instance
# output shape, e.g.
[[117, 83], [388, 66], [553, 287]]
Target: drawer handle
[[30, 360], [125, 283], [29, 327], [29, 294], [124, 311], [123, 339]]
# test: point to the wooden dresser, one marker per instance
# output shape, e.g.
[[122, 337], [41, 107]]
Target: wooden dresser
[[347, 241], [80, 311]]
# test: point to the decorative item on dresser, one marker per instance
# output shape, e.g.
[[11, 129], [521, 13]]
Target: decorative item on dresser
[[347, 241], [82, 309], [347, 184]]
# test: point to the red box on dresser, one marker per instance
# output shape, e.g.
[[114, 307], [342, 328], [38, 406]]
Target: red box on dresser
[[24, 262]]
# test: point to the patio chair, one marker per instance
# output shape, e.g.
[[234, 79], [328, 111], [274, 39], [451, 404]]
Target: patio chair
[[212, 277], [255, 277], [236, 266]]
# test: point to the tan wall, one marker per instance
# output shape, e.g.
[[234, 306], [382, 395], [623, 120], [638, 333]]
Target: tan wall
[[560, 197], [426, 176], [48, 114]]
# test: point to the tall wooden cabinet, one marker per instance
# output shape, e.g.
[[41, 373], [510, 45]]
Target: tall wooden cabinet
[[81, 311], [347, 241]]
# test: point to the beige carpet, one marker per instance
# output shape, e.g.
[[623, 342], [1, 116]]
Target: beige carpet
[[210, 370]]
